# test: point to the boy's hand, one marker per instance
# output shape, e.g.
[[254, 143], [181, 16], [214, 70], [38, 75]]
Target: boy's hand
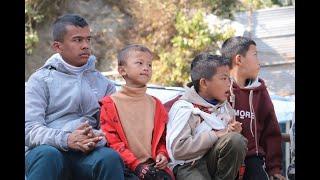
[[161, 161], [277, 177], [235, 126], [145, 171]]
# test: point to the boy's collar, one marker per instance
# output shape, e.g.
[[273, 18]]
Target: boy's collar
[[250, 83], [213, 101], [253, 83]]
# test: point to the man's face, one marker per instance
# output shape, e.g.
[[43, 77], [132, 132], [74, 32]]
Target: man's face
[[75, 48], [250, 65], [137, 69], [219, 85]]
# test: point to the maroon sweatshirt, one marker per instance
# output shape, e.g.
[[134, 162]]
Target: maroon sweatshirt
[[259, 124]]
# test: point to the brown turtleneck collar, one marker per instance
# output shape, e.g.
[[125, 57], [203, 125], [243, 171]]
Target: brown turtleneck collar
[[133, 92]]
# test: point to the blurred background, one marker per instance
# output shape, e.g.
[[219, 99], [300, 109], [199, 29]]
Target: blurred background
[[175, 30]]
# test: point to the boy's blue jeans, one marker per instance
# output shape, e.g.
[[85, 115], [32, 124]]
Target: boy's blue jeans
[[48, 163]]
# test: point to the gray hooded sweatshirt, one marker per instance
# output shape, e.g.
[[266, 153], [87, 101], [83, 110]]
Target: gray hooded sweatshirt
[[58, 100]]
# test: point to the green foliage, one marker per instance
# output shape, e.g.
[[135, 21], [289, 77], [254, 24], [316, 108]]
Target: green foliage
[[257, 4], [192, 33], [35, 13], [225, 8], [192, 37], [31, 39], [174, 30], [31, 18]]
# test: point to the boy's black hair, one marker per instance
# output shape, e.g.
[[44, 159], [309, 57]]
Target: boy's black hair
[[59, 26], [123, 53], [205, 65], [234, 46]]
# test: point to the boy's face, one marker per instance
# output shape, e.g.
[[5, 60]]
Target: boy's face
[[75, 48], [137, 69], [219, 84], [250, 65]]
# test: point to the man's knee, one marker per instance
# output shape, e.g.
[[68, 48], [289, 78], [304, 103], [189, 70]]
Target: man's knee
[[47, 153], [107, 156], [108, 164], [43, 161]]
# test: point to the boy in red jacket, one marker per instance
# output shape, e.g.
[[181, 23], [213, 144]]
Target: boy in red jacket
[[133, 121], [254, 109]]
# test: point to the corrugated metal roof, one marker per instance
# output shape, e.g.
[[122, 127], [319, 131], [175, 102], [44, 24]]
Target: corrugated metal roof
[[276, 49], [270, 22], [273, 30]]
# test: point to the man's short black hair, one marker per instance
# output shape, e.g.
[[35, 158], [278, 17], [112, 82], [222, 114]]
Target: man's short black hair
[[205, 65], [123, 53], [236, 45], [59, 26]]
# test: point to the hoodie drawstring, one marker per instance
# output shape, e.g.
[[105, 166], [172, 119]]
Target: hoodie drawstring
[[251, 121], [232, 96], [232, 99], [233, 102], [250, 105]]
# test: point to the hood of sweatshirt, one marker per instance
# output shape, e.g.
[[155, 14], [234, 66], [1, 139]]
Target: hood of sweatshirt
[[222, 109], [56, 62]]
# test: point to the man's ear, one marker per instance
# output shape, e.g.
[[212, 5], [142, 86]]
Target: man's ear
[[237, 59], [57, 46], [122, 71]]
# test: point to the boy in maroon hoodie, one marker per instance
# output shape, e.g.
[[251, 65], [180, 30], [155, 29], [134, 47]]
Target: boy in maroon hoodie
[[254, 109]]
